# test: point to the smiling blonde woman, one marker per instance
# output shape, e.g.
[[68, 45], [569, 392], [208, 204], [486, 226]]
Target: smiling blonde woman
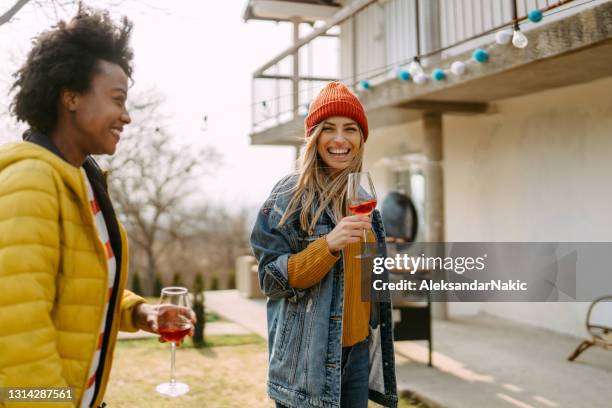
[[327, 348]]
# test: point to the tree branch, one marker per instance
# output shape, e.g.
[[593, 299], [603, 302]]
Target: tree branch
[[6, 17]]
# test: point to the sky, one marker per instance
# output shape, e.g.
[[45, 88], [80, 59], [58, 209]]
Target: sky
[[200, 55]]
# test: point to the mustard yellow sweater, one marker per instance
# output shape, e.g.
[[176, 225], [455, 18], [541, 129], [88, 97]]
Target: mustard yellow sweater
[[308, 267]]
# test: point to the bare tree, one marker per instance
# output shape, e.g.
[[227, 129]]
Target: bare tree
[[10, 131], [57, 7], [210, 244], [7, 15], [53, 10], [54, 7], [152, 179]]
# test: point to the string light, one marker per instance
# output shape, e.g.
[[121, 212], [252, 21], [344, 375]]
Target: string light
[[502, 37], [415, 68], [519, 40], [415, 72]]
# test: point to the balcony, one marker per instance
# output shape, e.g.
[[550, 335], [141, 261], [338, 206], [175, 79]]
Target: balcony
[[285, 10], [368, 41]]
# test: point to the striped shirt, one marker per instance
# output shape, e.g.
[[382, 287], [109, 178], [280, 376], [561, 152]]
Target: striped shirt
[[102, 230]]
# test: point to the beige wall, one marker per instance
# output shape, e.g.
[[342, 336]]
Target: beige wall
[[537, 170], [389, 142]]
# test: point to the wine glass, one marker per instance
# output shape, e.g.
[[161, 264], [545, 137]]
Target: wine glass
[[173, 325], [361, 198]]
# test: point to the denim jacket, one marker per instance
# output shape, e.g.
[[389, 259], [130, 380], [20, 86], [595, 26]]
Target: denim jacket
[[305, 325]]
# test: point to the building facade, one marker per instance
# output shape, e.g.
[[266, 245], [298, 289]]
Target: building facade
[[516, 148]]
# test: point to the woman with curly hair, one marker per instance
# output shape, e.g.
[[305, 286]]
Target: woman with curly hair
[[63, 252], [327, 347]]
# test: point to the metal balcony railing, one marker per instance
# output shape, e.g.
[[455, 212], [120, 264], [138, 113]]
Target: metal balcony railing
[[369, 39]]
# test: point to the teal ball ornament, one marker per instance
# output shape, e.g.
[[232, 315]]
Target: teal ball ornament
[[438, 74], [535, 16], [365, 84], [480, 55], [403, 75], [303, 110]]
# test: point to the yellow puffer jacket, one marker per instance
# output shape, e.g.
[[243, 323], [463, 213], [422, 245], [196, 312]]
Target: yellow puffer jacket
[[53, 276]]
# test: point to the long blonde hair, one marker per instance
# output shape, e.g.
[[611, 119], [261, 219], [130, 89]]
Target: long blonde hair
[[316, 182]]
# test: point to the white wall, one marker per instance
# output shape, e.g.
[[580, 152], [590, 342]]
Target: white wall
[[537, 170], [389, 142]]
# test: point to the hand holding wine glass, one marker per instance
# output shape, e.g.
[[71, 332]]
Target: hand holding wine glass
[[174, 322], [361, 198], [347, 231], [146, 317]]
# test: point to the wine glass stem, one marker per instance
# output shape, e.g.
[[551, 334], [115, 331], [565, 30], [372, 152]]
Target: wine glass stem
[[172, 378]]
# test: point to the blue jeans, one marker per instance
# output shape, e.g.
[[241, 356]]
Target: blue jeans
[[355, 376]]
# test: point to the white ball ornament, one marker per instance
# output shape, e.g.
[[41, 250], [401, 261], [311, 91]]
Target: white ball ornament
[[503, 37], [420, 78], [458, 68], [415, 69], [393, 73]]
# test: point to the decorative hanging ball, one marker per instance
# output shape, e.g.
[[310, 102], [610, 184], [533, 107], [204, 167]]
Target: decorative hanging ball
[[438, 74], [303, 110], [480, 55], [393, 73], [535, 16], [414, 68], [403, 75], [503, 37], [420, 78], [365, 84], [458, 68]]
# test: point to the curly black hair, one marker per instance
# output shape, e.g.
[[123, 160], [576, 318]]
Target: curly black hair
[[66, 57]]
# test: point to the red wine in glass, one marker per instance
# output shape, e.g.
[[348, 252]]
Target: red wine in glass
[[173, 325], [363, 208], [174, 333], [361, 198]]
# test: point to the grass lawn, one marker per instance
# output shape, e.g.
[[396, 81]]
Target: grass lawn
[[231, 372]]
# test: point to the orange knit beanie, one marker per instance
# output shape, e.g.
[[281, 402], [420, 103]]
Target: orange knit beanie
[[335, 99]]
